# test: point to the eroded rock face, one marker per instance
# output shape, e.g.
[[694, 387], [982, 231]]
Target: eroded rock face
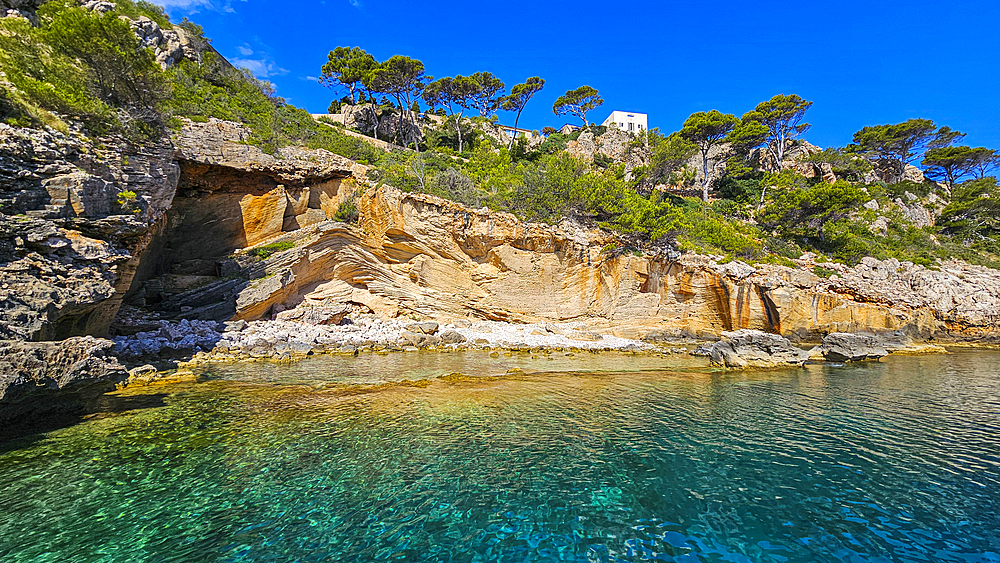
[[416, 254], [39, 379], [68, 248], [755, 349], [222, 148]]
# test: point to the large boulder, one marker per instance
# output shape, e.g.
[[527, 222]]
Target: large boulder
[[426, 327], [419, 339], [452, 337], [755, 349], [44, 379], [849, 347]]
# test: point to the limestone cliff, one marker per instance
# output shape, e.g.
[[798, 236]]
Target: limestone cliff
[[206, 201], [420, 255], [68, 249]]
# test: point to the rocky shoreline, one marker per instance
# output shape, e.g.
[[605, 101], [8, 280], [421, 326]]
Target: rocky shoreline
[[281, 340], [186, 343], [46, 379]]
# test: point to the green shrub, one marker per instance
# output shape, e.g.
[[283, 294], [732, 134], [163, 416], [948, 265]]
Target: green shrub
[[899, 190], [212, 89], [84, 65], [745, 190], [799, 209], [347, 211], [973, 215], [264, 252], [704, 230]]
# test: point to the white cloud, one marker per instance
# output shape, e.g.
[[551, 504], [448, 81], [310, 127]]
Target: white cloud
[[193, 6], [245, 50], [261, 68], [355, 3], [311, 78]]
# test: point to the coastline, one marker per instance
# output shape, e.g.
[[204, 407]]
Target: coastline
[[171, 352]]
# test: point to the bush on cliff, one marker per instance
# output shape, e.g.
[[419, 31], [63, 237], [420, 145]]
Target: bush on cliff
[[84, 65], [973, 216], [213, 89]]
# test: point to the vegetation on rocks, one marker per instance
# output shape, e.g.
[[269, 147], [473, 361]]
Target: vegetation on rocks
[[765, 194], [80, 65], [265, 251]]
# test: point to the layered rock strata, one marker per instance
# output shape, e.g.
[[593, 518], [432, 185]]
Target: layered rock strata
[[415, 254], [75, 219]]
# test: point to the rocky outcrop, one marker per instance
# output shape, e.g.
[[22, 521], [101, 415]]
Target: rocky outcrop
[[614, 144], [42, 379], [315, 315], [381, 123], [20, 9], [409, 254], [415, 254], [169, 45], [755, 349], [848, 347], [583, 148], [961, 301], [70, 243], [209, 152]]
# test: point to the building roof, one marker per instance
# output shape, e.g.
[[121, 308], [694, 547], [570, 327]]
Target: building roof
[[512, 128]]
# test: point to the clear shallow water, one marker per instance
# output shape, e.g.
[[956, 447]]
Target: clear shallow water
[[891, 461]]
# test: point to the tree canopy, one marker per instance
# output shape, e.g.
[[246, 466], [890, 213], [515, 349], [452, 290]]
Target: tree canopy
[[460, 91], [400, 77], [707, 129], [519, 96], [348, 67], [782, 116], [490, 95], [667, 157], [952, 164], [578, 102], [891, 147]]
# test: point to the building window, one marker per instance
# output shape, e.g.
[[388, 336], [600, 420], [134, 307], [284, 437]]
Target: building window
[[630, 126]]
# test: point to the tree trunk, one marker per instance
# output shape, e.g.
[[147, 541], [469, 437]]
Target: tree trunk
[[399, 102], [458, 127], [371, 105], [513, 137], [704, 171], [760, 204], [416, 131]]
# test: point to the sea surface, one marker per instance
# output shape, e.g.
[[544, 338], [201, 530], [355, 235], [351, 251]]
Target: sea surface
[[591, 457]]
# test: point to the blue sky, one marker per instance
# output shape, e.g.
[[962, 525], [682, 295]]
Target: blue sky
[[862, 63]]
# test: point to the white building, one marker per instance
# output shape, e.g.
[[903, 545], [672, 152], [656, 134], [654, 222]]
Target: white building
[[516, 132], [630, 121]]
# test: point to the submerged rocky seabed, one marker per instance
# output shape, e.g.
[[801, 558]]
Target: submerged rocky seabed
[[564, 458]]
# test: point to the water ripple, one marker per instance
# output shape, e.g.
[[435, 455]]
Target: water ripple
[[890, 461]]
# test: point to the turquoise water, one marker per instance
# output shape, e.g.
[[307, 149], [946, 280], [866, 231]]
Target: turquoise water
[[890, 461]]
